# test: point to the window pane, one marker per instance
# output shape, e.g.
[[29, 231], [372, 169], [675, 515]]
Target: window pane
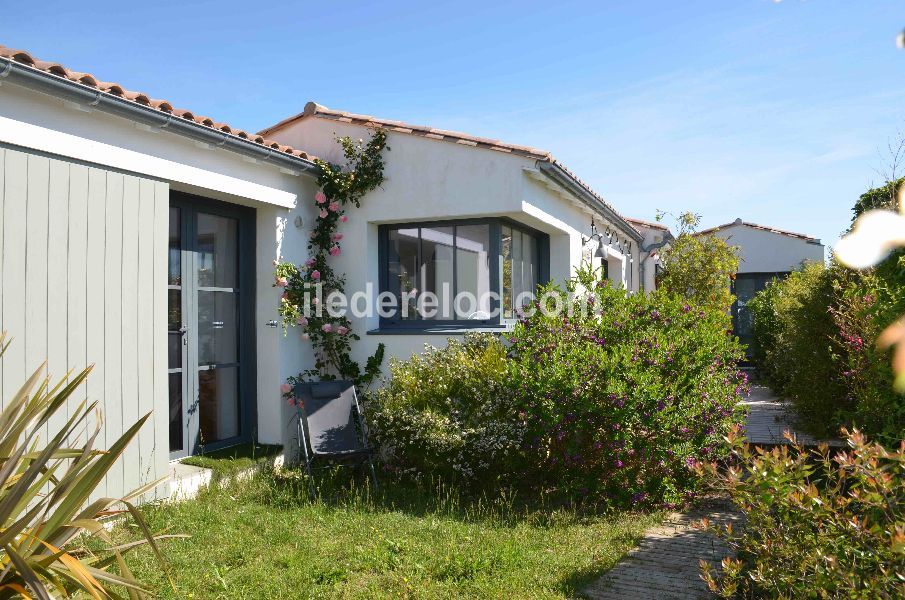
[[436, 272], [506, 264], [218, 257], [518, 280], [175, 411], [174, 324], [217, 335], [473, 271], [402, 255], [529, 263], [175, 253], [218, 404]]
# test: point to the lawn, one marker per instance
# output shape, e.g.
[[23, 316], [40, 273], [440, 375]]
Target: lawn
[[234, 459], [263, 538]]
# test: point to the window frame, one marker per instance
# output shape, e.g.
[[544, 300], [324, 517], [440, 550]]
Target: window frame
[[495, 225]]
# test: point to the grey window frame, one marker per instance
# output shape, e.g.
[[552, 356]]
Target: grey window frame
[[542, 258]]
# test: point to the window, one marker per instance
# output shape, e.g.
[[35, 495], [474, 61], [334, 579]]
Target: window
[[461, 273]]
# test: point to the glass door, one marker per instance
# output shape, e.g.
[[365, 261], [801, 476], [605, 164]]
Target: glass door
[[210, 362]]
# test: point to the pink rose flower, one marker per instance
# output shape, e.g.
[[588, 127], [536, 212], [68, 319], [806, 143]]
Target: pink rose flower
[[285, 297], [315, 274], [337, 236], [301, 321], [314, 300], [323, 214], [282, 281], [285, 388], [334, 206], [320, 198], [305, 337], [290, 401], [327, 327], [343, 219], [335, 251], [310, 262], [342, 330]]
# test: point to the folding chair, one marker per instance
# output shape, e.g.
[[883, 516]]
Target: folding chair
[[331, 427]]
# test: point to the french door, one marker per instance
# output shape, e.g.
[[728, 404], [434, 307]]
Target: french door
[[209, 287]]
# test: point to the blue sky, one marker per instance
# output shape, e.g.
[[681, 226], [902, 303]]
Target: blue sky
[[773, 112]]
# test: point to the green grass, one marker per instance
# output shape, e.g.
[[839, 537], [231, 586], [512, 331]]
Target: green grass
[[233, 459], [264, 538]]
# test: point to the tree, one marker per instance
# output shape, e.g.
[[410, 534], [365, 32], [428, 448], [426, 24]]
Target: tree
[[698, 267]]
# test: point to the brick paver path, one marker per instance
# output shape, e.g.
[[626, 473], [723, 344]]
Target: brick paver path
[[665, 565]]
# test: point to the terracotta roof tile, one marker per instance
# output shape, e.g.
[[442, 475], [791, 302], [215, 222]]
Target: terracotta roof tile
[[650, 224], [801, 236], [114, 89]]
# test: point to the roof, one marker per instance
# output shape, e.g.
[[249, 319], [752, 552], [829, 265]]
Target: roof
[[114, 89], [648, 224], [312, 109], [738, 222]]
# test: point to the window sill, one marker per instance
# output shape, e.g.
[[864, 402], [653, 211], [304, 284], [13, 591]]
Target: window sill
[[456, 330]]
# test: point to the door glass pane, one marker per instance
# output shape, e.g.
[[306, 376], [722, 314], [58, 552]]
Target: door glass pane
[[217, 251], [437, 268], [403, 267], [506, 264], [176, 412], [473, 271], [518, 280], [174, 323], [175, 248], [217, 327], [218, 404]]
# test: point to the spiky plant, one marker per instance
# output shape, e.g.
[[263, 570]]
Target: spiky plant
[[46, 513]]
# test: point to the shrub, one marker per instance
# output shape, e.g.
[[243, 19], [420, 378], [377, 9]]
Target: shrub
[[816, 525], [622, 398], [44, 495], [450, 412]]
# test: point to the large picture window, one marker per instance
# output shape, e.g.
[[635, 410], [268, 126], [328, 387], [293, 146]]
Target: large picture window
[[459, 273]]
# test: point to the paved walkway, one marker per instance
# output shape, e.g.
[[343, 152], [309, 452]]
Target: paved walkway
[[665, 564], [769, 417]]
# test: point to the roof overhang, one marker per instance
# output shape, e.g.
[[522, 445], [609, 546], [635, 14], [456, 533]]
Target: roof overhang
[[72, 91]]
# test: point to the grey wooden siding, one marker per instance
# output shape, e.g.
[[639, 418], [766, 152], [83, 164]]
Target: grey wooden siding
[[82, 281]]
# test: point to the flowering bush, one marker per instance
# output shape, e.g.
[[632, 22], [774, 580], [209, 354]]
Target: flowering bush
[[616, 404], [450, 412], [625, 392], [816, 525]]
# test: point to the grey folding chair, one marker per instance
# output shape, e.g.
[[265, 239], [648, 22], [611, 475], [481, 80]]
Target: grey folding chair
[[331, 427]]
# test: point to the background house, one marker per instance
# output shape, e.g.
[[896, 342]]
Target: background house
[[764, 254]]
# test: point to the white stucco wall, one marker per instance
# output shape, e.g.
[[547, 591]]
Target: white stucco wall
[[433, 180], [763, 251]]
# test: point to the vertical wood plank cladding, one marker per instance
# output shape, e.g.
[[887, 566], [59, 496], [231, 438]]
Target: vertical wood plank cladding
[[129, 303], [35, 337], [113, 321], [144, 304], [57, 279], [77, 259], [15, 211], [161, 391], [97, 207]]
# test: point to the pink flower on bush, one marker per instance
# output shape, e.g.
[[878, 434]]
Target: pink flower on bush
[[343, 219], [302, 321], [285, 388], [310, 262], [337, 236], [320, 197], [315, 274], [335, 251], [327, 327], [342, 330], [305, 337], [333, 206], [290, 401], [323, 214], [282, 281]]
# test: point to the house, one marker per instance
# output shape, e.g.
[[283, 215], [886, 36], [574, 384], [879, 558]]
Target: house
[[141, 238], [765, 253], [655, 236]]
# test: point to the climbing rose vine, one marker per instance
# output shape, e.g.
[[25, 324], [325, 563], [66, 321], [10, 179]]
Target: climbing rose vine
[[331, 336]]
